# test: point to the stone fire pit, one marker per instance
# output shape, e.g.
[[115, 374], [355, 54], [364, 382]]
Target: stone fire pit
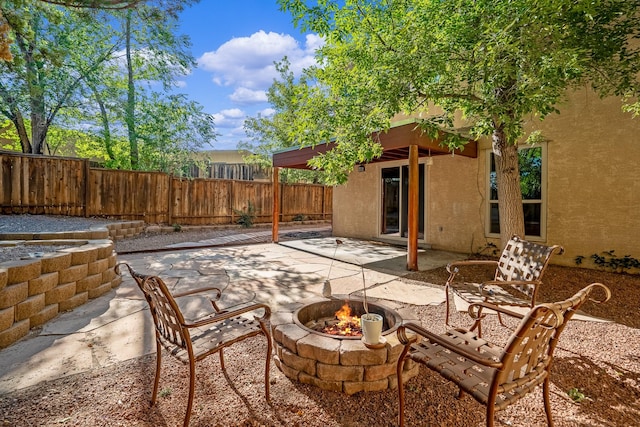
[[342, 364]]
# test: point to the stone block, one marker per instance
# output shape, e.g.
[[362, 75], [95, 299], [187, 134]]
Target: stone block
[[298, 363], [339, 372], [73, 273], [99, 234], [29, 307], [287, 371], [317, 382], [105, 250], [7, 317], [14, 294], [82, 254], [366, 386], [116, 282], [108, 275], [354, 352], [14, 333], [377, 372], [289, 336], [44, 283], [89, 282], [21, 271], [100, 290], [406, 376], [322, 349], [280, 318], [46, 314], [98, 266], [73, 302], [60, 293], [55, 262], [113, 260], [3, 278]]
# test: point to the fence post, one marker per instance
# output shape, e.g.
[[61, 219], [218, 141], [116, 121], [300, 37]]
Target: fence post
[[275, 217], [87, 187], [170, 200]]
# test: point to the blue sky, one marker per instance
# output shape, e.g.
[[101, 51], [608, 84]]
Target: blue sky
[[235, 44]]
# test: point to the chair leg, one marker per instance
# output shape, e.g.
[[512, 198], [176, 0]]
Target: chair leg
[[547, 403], [221, 359], [399, 369], [446, 294], [266, 369], [192, 390], [156, 381], [491, 412]]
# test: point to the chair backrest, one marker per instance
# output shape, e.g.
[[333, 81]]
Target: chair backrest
[[167, 317], [522, 260], [529, 351]]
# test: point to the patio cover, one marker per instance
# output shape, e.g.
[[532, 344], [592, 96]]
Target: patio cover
[[404, 140]]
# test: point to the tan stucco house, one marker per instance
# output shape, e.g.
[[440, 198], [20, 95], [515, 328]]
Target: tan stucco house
[[585, 193]]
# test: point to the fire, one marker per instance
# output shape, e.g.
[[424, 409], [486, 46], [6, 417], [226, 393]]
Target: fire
[[347, 324]]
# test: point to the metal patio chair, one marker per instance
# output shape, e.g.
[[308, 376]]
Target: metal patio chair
[[192, 341], [518, 274], [495, 376]]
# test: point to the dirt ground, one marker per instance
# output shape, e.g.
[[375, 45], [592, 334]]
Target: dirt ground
[[598, 360]]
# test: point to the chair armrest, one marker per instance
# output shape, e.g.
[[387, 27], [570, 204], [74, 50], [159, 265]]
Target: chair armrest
[[223, 315], [474, 310], [200, 290], [438, 339]]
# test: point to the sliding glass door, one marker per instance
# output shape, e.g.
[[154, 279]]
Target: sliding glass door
[[395, 201]]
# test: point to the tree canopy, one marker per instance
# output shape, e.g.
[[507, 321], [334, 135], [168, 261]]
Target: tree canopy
[[487, 64]]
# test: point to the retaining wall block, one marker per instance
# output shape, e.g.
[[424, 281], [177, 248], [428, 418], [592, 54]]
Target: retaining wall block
[[14, 294], [3, 278], [108, 275], [21, 270], [55, 261], [14, 333], [82, 254], [44, 283], [7, 317], [97, 267], [322, 349], [73, 273], [29, 307], [100, 290], [73, 302], [60, 293], [89, 282], [46, 314], [116, 282]]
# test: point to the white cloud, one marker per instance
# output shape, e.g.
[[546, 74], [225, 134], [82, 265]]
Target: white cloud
[[247, 62], [230, 118], [267, 112], [242, 95]]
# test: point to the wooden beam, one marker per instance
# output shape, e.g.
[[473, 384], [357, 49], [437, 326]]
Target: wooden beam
[[412, 215], [276, 206]]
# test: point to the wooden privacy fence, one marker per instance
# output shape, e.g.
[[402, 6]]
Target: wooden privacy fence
[[62, 186]]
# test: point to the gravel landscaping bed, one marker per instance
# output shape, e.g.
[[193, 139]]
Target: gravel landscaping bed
[[599, 360]]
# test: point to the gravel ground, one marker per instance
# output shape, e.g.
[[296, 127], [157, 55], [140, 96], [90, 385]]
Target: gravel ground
[[598, 359]]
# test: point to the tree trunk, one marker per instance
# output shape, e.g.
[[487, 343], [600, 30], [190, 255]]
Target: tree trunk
[[509, 192], [18, 122], [131, 99]]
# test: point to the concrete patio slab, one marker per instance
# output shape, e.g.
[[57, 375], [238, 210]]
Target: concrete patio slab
[[117, 326]]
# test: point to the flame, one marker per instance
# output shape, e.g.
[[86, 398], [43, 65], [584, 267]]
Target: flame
[[346, 322]]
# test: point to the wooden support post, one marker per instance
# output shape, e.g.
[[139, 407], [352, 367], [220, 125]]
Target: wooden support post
[[170, 200], [87, 187], [412, 216], [276, 206]]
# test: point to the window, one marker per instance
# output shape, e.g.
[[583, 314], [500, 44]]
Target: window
[[531, 164]]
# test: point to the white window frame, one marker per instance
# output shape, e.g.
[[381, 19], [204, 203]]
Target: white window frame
[[542, 201]]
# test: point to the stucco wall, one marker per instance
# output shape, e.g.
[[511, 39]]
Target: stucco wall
[[592, 193]]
